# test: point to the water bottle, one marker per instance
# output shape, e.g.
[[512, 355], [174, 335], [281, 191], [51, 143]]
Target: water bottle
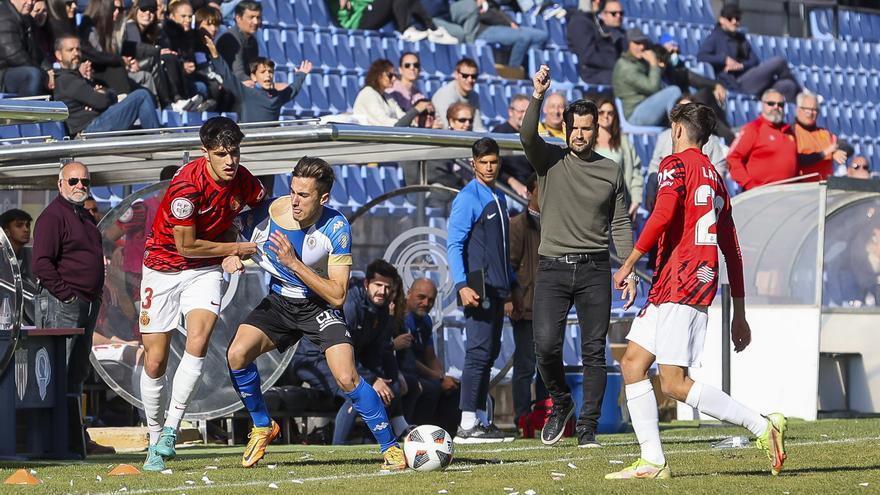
[[732, 443], [6, 314]]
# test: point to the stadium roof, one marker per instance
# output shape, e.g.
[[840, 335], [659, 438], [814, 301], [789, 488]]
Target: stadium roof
[[138, 156]]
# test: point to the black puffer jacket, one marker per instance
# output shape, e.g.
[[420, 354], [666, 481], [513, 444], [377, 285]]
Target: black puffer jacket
[[15, 35]]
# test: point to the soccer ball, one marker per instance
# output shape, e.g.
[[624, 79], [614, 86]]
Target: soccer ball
[[428, 448]]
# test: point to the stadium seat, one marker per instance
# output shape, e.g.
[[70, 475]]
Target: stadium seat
[[344, 53], [354, 186], [309, 43], [634, 129], [270, 12], [336, 94], [372, 177], [327, 52], [275, 43], [318, 94], [54, 129], [301, 12], [338, 194], [286, 16]]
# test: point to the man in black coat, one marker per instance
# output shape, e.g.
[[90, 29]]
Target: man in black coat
[[598, 39], [20, 71]]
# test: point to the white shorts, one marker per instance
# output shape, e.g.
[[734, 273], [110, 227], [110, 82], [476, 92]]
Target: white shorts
[[167, 295], [673, 333]]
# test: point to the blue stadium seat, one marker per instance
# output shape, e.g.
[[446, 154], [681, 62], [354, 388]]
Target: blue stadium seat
[[309, 43], [372, 176], [556, 30], [275, 43], [327, 51], [54, 129], [392, 51], [352, 87], [336, 94], [320, 15], [286, 16], [633, 129], [486, 60], [292, 48], [318, 93], [338, 194], [445, 56], [344, 54], [270, 12], [821, 24], [374, 44], [281, 185], [354, 185], [487, 106], [361, 52], [392, 178], [9, 132], [301, 12]]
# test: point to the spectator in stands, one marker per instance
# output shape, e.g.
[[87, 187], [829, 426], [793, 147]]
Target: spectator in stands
[[68, 262], [376, 107], [765, 150], [460, 89], [93, 107], [515, 170], [405, 90], [637, 83], [709, 92], [479, 241], [714, 149], [859, 168], [261, 102], [525, 237], [238, 45], [818, 150], [367, 316], [598, 39], [449, 173], [552, 126], [42, 33], [612, 144], [373, 14], [737, 65], [16, 224], [102, 46], [20, 70], [497, 27], [205, 80], [438, 403], [62, 18]]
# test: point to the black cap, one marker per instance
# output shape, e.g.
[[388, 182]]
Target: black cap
[[730, 11], [636, 35], [147, 4]]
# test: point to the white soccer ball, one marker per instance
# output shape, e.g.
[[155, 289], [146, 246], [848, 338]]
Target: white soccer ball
[[428, 448]]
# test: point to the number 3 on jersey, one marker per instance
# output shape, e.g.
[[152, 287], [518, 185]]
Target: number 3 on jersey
[[705, 195]]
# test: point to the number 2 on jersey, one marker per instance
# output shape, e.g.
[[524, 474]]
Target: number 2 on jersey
[[706, 195]]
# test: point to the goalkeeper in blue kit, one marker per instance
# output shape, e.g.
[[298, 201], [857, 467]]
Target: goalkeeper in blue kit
[[306, 248]]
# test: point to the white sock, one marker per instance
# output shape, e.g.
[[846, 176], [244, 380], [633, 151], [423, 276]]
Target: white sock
[[399, 425], [721, 406], [468, 420], [185, 380], [643, 413], [151, 397], [482, 417]]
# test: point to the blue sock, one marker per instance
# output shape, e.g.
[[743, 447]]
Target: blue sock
[[247, 383], [368, 404]]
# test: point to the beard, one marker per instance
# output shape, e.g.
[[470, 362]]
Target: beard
[[774, 117]]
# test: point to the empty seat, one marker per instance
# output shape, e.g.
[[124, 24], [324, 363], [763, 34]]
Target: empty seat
[[336, 94]]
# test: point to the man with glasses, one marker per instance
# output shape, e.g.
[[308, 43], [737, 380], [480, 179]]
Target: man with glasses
[[765, 150], [598, 40], [68, 264], [637, 82], [818, 148], [461, 89], [736, 64], [859, 168]]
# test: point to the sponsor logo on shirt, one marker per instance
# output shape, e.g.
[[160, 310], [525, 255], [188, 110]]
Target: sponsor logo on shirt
[[182, 208]]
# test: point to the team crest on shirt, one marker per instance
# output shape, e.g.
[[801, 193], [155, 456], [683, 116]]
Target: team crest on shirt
[[312, 242], [343, 241], [182, 208], [145, 318], [235, 203], [338, 225]]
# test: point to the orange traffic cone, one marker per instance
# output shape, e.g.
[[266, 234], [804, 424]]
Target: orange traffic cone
[[22, 477], [123, 470]]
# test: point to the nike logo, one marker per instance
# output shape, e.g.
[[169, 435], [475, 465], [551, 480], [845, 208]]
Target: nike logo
[[202, 212], [490, 217]]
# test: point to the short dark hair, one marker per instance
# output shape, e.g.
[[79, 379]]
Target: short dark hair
[[580, 108], [312, 167], [697, 119], [404, 54], [59, 41], [532, 182], [220, 132], [684, 96], [381, 267], [485, 146], [14, 215], [258, 61], [168, 172], [210, 15], [517, 97], [247, 5], [374, 73], [466, 62]]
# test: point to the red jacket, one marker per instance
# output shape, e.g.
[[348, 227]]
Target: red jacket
[[763, 153]]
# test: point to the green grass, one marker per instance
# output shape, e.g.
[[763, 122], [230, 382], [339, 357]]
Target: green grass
[[830, 456]]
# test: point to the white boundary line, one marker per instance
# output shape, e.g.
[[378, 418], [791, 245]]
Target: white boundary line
[[463, 467]]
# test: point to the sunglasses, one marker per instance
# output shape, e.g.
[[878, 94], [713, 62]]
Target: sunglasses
[[860, 167], [462, 121], [69, 3], [118, 8], [614, 13], [777, 104], [151, 10], [73, 181], [412, 65], [391, 75], [734, 19], [469, 76]]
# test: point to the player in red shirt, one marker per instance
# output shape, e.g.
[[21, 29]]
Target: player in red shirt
[[191, 234], [691, 220]]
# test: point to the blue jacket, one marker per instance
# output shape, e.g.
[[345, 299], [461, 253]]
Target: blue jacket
[[718, 46], [479, 238]]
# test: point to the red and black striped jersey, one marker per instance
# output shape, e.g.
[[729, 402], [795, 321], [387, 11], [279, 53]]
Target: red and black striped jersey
[[691, 220], [194, 199]]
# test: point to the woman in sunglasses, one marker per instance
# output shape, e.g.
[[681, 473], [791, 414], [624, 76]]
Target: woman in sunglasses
[[405, 90], [614, 145], [375, 107]]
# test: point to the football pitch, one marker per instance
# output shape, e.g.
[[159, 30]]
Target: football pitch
[[828, 456]]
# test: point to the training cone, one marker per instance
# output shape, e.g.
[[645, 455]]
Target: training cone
[[123, 470], [22, 477]]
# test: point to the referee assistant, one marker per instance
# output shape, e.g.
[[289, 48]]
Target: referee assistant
[[582, 196]]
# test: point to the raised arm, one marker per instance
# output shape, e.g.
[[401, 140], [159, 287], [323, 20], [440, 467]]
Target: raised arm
[[536, 149]]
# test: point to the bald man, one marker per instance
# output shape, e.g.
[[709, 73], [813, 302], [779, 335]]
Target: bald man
[[68, 262], [554, 106]]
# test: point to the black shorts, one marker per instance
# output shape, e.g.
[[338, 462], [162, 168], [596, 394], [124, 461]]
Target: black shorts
[[286, 320]]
